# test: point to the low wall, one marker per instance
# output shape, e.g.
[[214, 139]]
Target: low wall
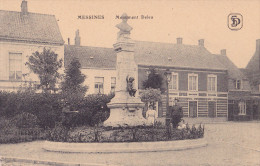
[[124, 147]]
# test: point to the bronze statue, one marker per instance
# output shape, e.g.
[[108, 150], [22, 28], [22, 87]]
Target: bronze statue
[[130, 86]]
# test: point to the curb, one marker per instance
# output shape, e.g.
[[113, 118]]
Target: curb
[[132, 147], [34, 161]]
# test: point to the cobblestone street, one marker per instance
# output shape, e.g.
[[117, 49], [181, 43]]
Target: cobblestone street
[[229, 143]]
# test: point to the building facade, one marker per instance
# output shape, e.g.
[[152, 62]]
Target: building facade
[[202, 81], [21, 34], [252, 71]]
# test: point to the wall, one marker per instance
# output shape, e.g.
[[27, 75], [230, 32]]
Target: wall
[[26, 49], [92, 73], [222, 84]]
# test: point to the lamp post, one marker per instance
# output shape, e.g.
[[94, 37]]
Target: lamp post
[[168, 76]]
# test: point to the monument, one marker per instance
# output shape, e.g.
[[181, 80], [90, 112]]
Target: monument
[[126, 107]]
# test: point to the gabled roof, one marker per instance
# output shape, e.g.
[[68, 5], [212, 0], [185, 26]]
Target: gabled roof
[[147, 54], [91, 57], [254, 63], [32, 27], [175, 55], [233, 71]]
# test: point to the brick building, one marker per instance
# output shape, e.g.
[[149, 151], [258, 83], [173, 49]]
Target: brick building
[[202, 81]]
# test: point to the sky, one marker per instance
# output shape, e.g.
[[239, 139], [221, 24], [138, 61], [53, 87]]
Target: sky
[[189, 19]]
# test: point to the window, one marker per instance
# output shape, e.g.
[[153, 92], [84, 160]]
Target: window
[[99, 85], [242, 108], [113, 84], [212, 83], [237, 84], [193, 82], [15, 66], [174, 82]]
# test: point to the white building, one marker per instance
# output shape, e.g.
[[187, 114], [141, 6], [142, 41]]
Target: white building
[[98, 65], [21, 34]]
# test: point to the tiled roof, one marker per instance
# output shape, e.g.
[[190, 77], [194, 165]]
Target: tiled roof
[[233, 71], [91, 57], [32, 27], [147, 54], [254, 63], [175, 55]]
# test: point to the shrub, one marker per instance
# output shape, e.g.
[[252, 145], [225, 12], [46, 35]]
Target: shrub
[[124, 134], [25, 120], [8, 104], [176, 115], [94, 109], [46, 107], [59, 133], [10, 133]]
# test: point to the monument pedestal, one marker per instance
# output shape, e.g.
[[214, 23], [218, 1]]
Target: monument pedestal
[[125, 111], [125, 108]]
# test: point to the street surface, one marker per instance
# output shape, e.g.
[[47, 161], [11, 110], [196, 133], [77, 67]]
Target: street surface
[[229, 143]]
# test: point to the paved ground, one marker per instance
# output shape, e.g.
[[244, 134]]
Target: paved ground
[[230, 143]]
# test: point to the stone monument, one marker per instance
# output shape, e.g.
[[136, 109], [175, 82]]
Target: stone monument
[[126, 107]]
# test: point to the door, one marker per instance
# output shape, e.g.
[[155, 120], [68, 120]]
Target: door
[[211, 109], [231, 110], [193, 108]]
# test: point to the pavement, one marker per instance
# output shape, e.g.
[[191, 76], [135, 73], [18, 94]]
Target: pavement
[[229, 143]]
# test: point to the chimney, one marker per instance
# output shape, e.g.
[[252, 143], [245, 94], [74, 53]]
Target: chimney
[[179, 40], [68, 41], [258, 45], [201, 42], [77, 39], [24, 8], [223, 52]]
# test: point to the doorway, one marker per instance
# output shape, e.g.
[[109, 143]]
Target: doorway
[[193, 108], [211, 109]]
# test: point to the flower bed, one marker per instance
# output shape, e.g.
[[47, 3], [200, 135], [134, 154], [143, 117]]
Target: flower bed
[[124, 134]]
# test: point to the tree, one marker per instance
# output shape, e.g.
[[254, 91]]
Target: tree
[[46, 66], [72, 89], [154, 80], [150, 97]]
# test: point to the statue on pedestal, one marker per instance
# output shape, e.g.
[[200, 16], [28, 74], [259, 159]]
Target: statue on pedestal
[[124, 28], [125, 107]]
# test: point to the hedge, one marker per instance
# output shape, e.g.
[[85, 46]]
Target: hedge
[[47, 108]]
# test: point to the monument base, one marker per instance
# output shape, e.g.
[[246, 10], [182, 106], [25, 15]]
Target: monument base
[[122, 117], [127, 112]]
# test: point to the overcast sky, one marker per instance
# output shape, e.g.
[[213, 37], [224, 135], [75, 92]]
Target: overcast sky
[[191, 20]]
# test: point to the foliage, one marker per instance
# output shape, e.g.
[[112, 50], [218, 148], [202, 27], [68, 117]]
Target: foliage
[[46, 65], [59, 133], [8, 104], [25, 120], [72, 89], [46, 107], [94, 110], [176, 115], [125, 134], [150, 95], [10, 133], [155, 80]]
